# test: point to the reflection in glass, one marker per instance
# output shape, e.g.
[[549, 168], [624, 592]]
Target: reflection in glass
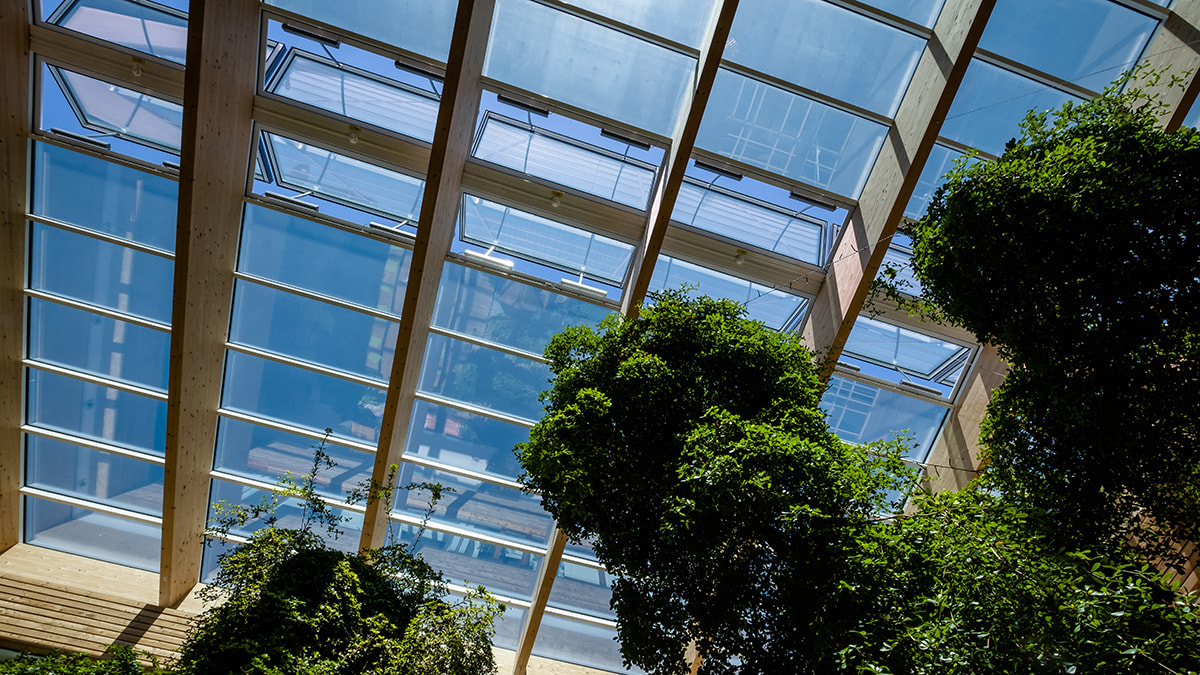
[[94, 411], [506, 311], [774, 308], [726, 213], [859, 412], [581, 589], [123, 112], [290, 513], [684, 21], [93, 475], [418, 26], [464, 441], [316, 257], [105, 197], [499, 569], [73, 529], [542, 240], [991, 102], [142, 25], [97, 344], [769, 128], [579, 642], [483, 377], [923, 12]]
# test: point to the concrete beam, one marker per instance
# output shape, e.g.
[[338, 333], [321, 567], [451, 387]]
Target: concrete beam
[[222, 56]]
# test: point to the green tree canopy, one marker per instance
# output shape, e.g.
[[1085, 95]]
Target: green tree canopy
[[1078, 254]]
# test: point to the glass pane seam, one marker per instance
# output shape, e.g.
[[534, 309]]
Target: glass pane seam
[[782, 181], [511, 351], [474, 410], [583, 562], [959, 146], [450, 469], [319, 297], [55, 435], [885, 17], [306, 365], [87, 232], [458, 589], [95, 379], [90, 505], [46, 137], [621, 27], [880, 383], [275, 488], [277, 425], [34, 293], [582, 618], [804, 92], [1038, 76], [431, 526]]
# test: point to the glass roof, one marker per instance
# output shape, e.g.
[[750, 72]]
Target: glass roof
[[145, 26]]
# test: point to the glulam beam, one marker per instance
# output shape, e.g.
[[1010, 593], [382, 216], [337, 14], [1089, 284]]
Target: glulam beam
[[452, 138], [1175, 50], [218, 100], [863, 241], [15, 113]]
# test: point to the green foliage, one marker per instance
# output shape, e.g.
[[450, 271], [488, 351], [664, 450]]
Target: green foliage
[[120, 660], [1078, 253], [295, 605], [970, 583], [688, 443]]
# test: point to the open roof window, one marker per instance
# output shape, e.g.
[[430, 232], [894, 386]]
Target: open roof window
[[903, 350], [149, 27], [775, 308], [112, 110]]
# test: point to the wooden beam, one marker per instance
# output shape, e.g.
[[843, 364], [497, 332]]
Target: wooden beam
[[15, 114], [435, 231], [863, 241], [954, 459], [541, 595], [674, 165], [1177, 45], [222, 56]]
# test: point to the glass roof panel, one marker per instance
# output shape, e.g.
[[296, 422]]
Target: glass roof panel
[[265, 454], [924, 12], [859, 413], [991, 102], [289, 512], [774, 308], [565, 161], [94, 534], [1104, 38], [483, 377], [941, 159], [580, 642], [138, 24], [102, 274], [769, 128], [100, 345], [475, 506], [505, 311], [103, 196], [582, 589], [115, 480], [542, 240], [360, 95], [94, 411], [803, 42], [316, 257], [344, 180], [302, 398], [499, 569], [309, 330], [551, 53], [123, 112], [728, 214], [464, 441], [418, 26], [899, 259], [909, 351], [683, 21]]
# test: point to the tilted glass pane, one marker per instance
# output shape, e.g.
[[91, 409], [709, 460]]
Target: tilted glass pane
[[103, 196], [721, 212], [900, 260], [359, 95], [991, 102], [317, 257], [573, 164], [97, 344], [102, 274], [88, 410], [581, 589], [476, 506], [941, 159], [542, 240], [293, 395], [76, 471], [313, 331], [1104, 39], [464, 441], [579, 642], [92, 534], [885, 344], [265, 454], [683, 21], [924, 12], [859, 412], [121, 111], [499, 569], [290, 514], [769, 128], [505, 311], [774, 308], [419, 26], [144, 26], [552, 53], [805, 42], [483, 377], [304, 167]]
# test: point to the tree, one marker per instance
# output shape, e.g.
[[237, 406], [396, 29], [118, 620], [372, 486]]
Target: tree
[[1078, 253], [689, 444], [295, 605]]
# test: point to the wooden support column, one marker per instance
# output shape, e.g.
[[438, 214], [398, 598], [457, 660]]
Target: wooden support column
[[222, 58], [954, 459], [541, 595], [15, 113], [670, 174], [863, 241], [1177, 44], [435, 230]]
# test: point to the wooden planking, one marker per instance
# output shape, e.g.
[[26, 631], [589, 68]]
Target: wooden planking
[[217, 126], [15, 68]]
